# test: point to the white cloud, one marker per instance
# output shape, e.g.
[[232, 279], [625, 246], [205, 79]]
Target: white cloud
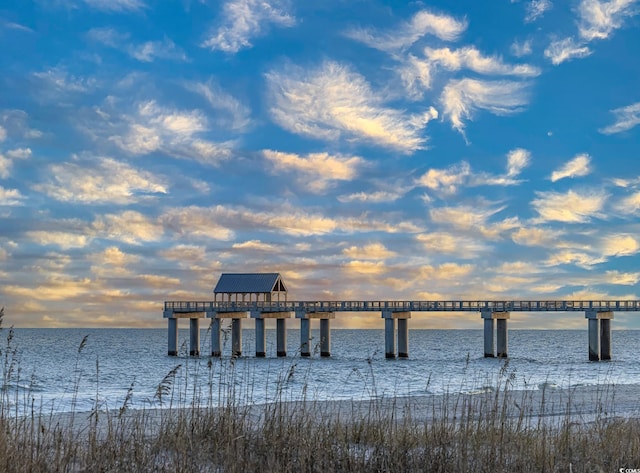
[[577, 167], [235, 115], [536, 9], [446, 181], [10, 197], [570, 207], [437, 243], [64, 240], [521, 48], [375, 251], [598, 18], [536, 236], [619, 245], [317, 171], [461, 98], [116, 5], [331, 101], [243, 20], [630, 204], [373, 197], [128, 227], [626, 118], [517, 160], [19, 153], [407, 33], [470, 58], [3, 134], [254, 245], [104, 180], [566, 49], [415, 74], [151, 50], [6, 163], [155, 128]]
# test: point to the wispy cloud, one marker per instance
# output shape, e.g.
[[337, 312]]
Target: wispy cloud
[[461, 98], [448, 181], [233, 114], [332, 102], [471, 58], [243, 20], [374, 197], [148, 51], [102, 180], [151, 50], [176, 132], [317, 171], [405, 34], [598, 18], [116, 5], [566, 49], [375, 251], [569, 207], [625, 119], [536, 9], [521, 48], [10, 197], [577, 167]]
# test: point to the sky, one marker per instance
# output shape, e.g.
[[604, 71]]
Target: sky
[[364, 149]]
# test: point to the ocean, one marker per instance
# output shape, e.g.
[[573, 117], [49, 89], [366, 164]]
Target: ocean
[[46, 370]]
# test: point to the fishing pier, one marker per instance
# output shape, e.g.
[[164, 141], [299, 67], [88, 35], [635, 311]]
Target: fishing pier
[[261, 296]]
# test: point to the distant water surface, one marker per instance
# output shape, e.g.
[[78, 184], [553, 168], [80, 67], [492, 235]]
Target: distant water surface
[[51, 373]]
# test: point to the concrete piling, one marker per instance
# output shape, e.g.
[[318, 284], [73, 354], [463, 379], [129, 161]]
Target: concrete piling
[[173, 337], [261, 338], [305, 337], [215, 337], [502, 344], [403, 338], [194, 337], [605, 339], [488, 336], [281, 337], [325, 337], [236, 337], [389, 337], [599, 334]]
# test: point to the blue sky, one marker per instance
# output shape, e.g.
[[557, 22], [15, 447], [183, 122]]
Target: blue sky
[[364, 149]]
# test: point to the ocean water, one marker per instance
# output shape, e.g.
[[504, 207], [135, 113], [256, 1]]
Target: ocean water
[[45, 368]]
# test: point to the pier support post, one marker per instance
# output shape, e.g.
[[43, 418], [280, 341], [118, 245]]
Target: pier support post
[[305, 337], [489, 316], [403, 338], [605, 339], [215, 337], [488, 334], [236, 337], [194, 337], [281, 337], [173, 337], [325, 337], [261, 338], [389, 338], [502, 344], [599, 334]]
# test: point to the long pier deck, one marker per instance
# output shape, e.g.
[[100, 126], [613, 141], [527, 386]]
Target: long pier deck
[[413, 306], [495, 315]]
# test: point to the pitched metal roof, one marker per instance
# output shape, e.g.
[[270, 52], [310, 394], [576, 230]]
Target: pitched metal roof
[[231, 283]]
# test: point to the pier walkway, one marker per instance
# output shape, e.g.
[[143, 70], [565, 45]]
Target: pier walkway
[[494, 313]]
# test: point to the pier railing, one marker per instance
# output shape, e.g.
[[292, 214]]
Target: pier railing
[[409, 306]]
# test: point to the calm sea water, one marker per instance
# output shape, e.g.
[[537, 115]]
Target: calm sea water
[[51, 372]]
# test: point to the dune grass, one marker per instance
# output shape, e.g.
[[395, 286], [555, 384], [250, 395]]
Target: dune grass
[[501, 430]]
